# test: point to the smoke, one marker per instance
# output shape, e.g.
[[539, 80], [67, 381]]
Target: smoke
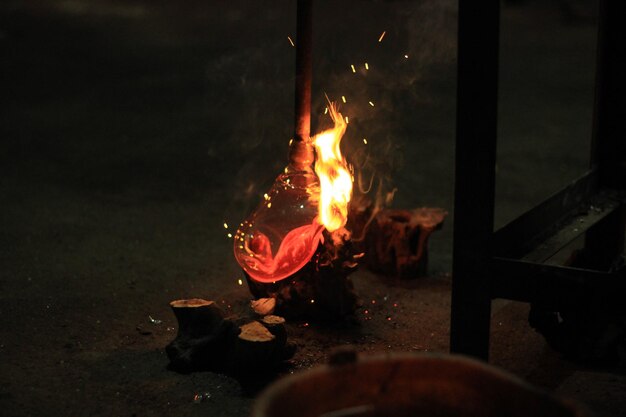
[[393, 87], [251, 86]]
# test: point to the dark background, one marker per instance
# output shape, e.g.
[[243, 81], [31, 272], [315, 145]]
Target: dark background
[[131, 131]]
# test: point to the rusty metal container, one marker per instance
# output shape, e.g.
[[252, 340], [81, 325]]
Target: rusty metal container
[[403, 385]]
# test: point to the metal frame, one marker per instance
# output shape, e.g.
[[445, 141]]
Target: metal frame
[[513, 262]]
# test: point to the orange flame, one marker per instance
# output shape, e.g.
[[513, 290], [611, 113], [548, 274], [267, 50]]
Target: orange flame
[[334, 175]]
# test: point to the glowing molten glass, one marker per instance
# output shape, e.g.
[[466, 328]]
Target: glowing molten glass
[[283, 233]]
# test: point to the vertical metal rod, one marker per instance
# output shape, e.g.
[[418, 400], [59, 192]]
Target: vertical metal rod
[[301, 154], [476, 139], [608, 147], [609, 126]]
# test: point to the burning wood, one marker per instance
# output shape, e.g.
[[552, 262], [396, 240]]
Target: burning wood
[[395, 241], [207, 340]]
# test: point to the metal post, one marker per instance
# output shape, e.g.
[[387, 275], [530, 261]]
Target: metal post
[[608, 150], [609, 128], [476, 134], [301, 154]]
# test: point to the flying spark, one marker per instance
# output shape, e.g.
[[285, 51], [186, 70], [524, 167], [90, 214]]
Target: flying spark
[[353, 69], [290, 41], [371, 104], [343, 98], [382, 35]]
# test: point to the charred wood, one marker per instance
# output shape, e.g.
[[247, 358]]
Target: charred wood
[[395, 241]]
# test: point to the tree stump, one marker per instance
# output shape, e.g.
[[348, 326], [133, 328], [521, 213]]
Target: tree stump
[[206, 340], [276, 326], [395, 241]]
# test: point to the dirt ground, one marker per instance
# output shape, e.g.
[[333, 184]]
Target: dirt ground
[[131, 131]]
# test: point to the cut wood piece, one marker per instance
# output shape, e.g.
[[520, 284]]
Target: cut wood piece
[[191, 303], [204, 337], [255, 332], [395, 241], [257, 348], [206, 340], [273, 320], [196, 316], [276, 326], [263, 306]]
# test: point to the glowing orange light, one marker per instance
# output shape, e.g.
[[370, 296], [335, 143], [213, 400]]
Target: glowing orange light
[[334, 175], [268, 256], [382, 35]]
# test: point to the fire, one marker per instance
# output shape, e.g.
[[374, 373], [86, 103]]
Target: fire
[[333, 173], [284, 232]]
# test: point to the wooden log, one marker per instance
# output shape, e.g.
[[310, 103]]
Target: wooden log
[[254, 346], [395, 241], [206, 340], [276, 326], [204, 337]]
